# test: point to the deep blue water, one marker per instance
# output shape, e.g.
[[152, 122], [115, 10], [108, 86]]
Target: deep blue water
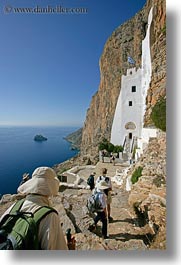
[[19, 153]]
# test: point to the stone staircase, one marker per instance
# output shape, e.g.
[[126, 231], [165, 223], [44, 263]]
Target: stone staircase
[[129, 145]]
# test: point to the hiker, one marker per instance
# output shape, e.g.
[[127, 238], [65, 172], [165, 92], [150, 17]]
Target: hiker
[[90, 181], [112, 159], [101, 213], [26, 177], [106, 191], [37, 190], [102, 155]]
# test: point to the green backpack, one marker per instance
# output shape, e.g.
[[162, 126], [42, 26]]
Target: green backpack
[[19, 230]]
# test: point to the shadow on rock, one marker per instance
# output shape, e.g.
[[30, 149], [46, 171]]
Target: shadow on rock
[[147, 238], [72, 218], [134, 221]]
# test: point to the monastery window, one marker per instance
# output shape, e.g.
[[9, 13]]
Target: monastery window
[[130, 103], [133, 88]]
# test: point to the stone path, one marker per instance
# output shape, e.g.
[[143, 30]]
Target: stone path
[[110, 167], [125, 232]]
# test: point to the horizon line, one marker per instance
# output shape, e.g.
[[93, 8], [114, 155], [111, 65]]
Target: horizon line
[[39, 125]]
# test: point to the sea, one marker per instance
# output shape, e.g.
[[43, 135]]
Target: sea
[[20, 154]]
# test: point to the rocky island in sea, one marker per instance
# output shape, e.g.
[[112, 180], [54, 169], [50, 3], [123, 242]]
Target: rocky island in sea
[[40, 138]]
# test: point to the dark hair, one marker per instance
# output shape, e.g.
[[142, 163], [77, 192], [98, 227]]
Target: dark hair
[[104, 171]]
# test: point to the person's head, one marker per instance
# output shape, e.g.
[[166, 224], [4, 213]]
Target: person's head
[[43, 182], [102, 185], [104, 171], [26, 176], [93, 173]]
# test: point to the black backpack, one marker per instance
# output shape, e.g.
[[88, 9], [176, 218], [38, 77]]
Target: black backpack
[[90, 181], [19, 230]]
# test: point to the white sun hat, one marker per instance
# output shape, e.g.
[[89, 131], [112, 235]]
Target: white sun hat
[[102, 185], [44, 182]]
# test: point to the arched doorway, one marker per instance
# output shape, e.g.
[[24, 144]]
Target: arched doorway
[[129, 139]]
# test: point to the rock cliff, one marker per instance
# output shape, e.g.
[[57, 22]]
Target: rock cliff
[[75, 138], [126, 40], [148, 195]]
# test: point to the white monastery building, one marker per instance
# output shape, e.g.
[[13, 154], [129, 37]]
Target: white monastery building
[[127, 128]]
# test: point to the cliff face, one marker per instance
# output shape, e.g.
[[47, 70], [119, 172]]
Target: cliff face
[[148, 194], [126, 41], [158, 52], [75, 138]]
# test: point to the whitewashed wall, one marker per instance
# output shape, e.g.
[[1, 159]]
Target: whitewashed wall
[[125, 113], [141, 79]]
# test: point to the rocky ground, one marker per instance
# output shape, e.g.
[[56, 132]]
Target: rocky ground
[[139, 215], [126, 232]]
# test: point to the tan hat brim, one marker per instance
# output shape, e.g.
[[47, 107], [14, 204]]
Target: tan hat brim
[[40, 186]]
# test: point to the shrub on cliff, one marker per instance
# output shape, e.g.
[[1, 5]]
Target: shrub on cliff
[[158, 114], [109, 147], [104, 144], [136, 175], [164, 29], [118, 148]]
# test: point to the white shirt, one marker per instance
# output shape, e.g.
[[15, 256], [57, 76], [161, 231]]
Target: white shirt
[[101, 178]]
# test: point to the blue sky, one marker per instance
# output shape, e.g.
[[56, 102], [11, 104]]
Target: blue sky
[[49, 63]]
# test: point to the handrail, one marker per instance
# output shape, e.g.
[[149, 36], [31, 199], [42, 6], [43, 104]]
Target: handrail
[[132, 146], [124, 142]]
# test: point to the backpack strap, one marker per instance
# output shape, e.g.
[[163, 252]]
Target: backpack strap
[[39, 214], [99, 178], [42, 212], [17, 206]]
